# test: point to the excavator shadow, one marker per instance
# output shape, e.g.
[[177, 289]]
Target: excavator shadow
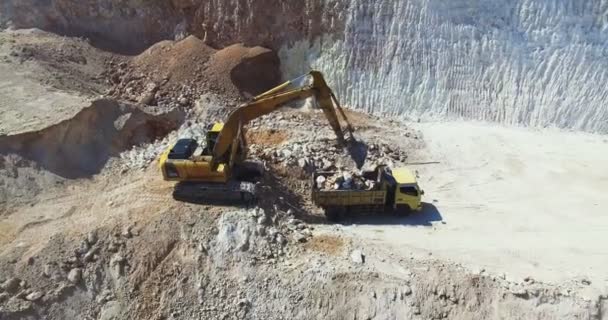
[[425, 218], [276, 193], [219, 203]]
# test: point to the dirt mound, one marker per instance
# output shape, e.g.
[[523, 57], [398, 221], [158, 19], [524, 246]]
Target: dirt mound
[[81, 146], [176, 73], [177, 61], [265, 137], [250, 70]]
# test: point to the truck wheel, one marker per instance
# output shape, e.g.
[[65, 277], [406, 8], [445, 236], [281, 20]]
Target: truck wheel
[[403, 210], [332, 214]]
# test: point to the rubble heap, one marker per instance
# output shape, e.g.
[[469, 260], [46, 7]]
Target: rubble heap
[[322, 154], [344, 180]]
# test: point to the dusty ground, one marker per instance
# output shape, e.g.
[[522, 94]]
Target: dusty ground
[[110, 243], [143, 255], [522, 202]]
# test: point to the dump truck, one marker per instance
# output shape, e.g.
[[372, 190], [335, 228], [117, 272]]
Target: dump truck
[[394, 190]]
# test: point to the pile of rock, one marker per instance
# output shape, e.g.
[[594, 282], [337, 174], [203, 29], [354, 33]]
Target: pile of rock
[[140, 157], [136, 86], [324, 155], [344, 180], [305, 154], [318, 154]]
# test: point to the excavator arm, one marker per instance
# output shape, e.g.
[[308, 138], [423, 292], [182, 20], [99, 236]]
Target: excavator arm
[[274, 99]]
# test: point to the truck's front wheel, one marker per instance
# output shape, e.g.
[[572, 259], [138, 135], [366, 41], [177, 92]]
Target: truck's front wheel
[[333, 214], [403, 210]]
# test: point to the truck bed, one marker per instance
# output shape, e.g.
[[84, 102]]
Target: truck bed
[[325, 198], [345, 198]]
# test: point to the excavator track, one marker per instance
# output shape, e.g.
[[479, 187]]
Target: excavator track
[[234, 192]]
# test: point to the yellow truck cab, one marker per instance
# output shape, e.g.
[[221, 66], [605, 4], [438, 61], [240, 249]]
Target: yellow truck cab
[[407, 193]]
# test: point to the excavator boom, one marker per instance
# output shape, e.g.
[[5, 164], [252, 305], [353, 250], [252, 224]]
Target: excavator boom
[[274, 99]]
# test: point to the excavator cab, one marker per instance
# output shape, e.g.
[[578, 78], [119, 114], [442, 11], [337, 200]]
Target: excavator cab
[[213, 133]]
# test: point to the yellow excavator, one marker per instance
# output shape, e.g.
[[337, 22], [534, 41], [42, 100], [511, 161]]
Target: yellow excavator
[[219, 169]]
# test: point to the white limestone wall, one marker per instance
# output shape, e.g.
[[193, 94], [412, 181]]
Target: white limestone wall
[[521, 62]]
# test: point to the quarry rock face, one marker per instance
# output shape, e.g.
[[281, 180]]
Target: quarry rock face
[[523, 62], [220, 23]]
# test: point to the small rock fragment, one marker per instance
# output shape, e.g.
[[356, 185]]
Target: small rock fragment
[[299, 237], [75, 275], [348, 180], [302, 163], [293, 222], [357, 257], [442, 292], [34, 296], [407, 290], [416, 310], [62, 289], [127, 232], [92, 237], [90, 256], [320, 182], [244, 245], [529, 280], [243, 303], [281, 239], [262, 220], [260, 230], [11, 285], [519, 292], [183, 101], [48, 270], [272, 232]]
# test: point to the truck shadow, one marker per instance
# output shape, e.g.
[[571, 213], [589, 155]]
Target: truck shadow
[[425, 218]]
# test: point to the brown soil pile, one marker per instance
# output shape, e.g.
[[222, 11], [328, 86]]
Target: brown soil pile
[[249, 70], [177, 73], [271, 137], [178, 62], [329, 244]]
